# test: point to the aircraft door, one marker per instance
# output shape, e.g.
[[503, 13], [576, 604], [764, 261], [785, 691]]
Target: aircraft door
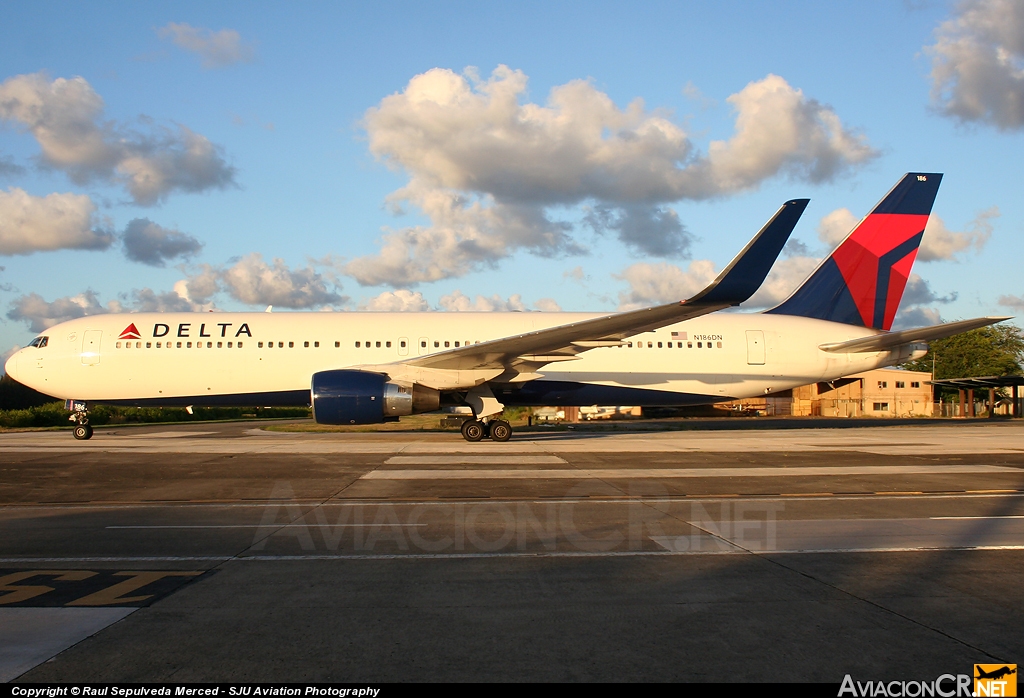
[[423, 345], [755, 347], [91, 347], [403, 346]]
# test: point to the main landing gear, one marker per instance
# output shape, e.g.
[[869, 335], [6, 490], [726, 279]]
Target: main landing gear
[[80, 415], [496, 429]]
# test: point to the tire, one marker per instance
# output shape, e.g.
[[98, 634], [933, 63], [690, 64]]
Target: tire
[[501, 430], [465, 424], [83, 432], [473, 430]]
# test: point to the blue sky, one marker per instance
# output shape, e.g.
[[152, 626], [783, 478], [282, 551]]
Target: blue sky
[[170, 156]]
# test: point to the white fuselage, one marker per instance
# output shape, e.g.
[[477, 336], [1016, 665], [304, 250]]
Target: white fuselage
[[205, 358]]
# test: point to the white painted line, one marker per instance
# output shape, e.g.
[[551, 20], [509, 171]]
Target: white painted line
[[648, 473], [272, 525], [457, 459], [972, 518], [510, 554], [30, 636]]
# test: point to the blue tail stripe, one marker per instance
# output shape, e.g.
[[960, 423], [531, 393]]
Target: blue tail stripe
[[885, 263]]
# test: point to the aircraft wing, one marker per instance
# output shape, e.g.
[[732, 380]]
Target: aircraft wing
[[529, 351], [889, 340]]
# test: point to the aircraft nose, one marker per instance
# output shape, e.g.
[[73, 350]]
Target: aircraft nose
[[11, 367]]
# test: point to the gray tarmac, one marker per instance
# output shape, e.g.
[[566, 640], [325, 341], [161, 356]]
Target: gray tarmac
[[221, 552]]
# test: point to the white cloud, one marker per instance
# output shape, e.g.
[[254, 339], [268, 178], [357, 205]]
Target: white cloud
[[217, 49], [457, 301], [661, 282], [784, 278], [916, 316], [492, 172], [940, 243], [252, 280], [401, 300], [40, 314], [66, 118], [978, 64], [146, 242], [547, 305], [835, 226], [57, 221], [1015, 302]]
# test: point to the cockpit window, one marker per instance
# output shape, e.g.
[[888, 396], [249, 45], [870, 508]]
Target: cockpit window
[[39, 342]]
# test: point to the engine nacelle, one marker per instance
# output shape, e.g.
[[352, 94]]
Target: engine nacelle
[[363, 397]]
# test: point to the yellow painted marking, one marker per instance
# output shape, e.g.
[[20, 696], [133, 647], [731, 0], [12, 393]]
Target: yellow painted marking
[[113, 594], [18, 594]]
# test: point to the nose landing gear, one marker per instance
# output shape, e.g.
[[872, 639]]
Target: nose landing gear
[[80, 415]]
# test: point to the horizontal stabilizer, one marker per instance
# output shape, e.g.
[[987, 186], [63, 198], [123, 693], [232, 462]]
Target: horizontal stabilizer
[[889, 340]]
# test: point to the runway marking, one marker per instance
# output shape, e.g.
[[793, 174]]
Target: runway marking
[[166, 434], [650, 473], [602, 499], [511, 554], [962, 518], [455, 459], [273, 525]]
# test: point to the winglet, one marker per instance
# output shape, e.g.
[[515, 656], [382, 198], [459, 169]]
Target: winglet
[[745, 274]]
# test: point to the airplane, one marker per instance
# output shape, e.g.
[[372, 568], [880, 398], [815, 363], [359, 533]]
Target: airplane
[[367, 367], [995, 673]]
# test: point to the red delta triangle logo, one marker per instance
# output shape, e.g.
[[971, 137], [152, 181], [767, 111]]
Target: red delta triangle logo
[[130, 332]]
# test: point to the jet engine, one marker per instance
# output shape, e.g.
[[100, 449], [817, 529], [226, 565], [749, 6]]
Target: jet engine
[[363, 397]]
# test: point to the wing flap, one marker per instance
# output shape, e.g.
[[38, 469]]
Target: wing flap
[[889, 340]]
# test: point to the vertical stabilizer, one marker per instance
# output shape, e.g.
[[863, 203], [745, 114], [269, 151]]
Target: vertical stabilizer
[[862, 281]]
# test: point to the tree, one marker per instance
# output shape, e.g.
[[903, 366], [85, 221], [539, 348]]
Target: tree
[[997, 350]]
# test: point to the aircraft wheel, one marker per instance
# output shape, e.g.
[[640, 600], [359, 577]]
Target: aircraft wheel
[[473, 430], [83, 432], [501, 430]]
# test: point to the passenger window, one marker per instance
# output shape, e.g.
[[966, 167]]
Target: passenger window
[[689, 345], [387, 344], [719, 345], [229, 345], [220, 345], [377, 345], [117, 345], [423, 345], [700, 345], [188, 345], [158, 345], [259, 344], [179, 345], [357, 345], [305, 345], [149, 345], [659, 345], [239, 345], [280, 345], [316, 344], [209, 345], [402, 344], [436, 343], [337, 344], [446, 345], [291, 345], [456, 344]]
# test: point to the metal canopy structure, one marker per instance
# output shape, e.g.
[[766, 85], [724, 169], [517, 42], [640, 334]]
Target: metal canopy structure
[[991, 383]]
